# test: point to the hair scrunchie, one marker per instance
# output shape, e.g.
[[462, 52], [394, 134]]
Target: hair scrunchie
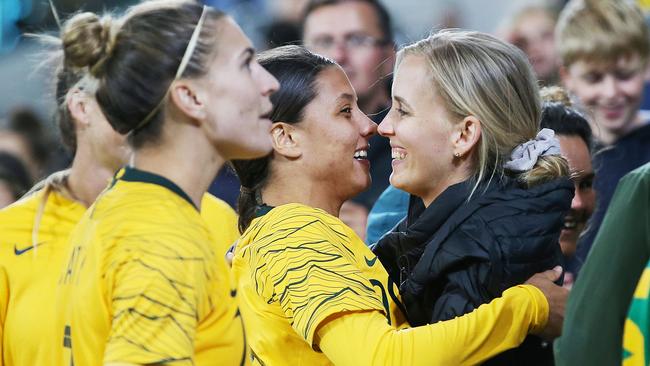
[[524, 156]]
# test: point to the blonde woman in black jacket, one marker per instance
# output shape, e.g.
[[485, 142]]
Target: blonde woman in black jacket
[[489, 189]]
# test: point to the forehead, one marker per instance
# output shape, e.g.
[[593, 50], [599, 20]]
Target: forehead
[[412, 79], [629, 62], [341, 19], [331, 83], [576, 152], [231, 41]]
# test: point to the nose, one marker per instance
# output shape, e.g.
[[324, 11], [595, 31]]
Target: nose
[[385, 128], [578, 202], [610, 86], [368, 127], [268, 83], [339, 53]]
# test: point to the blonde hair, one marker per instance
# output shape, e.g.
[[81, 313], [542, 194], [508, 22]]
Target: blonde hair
[[601, 30], [555, 94], [477, 74]]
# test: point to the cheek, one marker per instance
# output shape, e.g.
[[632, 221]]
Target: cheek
[[633, 88]]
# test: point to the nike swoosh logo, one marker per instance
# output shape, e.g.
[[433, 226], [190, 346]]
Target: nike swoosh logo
[[370, 262], [24, 250]]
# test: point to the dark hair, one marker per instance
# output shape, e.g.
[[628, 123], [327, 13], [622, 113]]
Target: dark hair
[[297, 70], [136, 59], [382, 14], [558, 115], [566, 121], [25, 122], [14, 173]]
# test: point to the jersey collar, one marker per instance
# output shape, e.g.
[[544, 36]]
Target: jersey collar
[[131, 174]]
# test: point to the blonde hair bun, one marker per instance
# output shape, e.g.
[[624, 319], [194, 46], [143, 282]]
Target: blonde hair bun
[[87, 40]]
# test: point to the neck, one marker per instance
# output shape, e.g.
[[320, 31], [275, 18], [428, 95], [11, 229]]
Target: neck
[[281, 192], [88, 178], [185, 157]]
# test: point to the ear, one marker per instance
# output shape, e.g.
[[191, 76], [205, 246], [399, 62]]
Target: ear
[[283, 136], [466, 137], [78, 107], [185, 96]]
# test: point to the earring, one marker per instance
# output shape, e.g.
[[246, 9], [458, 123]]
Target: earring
[[457, 155]]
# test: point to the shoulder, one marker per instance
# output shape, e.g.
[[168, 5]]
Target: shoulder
[[215, 210]]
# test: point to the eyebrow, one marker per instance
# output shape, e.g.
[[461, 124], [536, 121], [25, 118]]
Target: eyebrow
[[345, 97], [401, 101], [248, 52]]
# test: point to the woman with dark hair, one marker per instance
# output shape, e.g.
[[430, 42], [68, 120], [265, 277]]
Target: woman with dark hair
[[143, 283], [311, 292]]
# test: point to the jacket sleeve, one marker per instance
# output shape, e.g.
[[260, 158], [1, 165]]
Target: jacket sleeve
[[366, 339]]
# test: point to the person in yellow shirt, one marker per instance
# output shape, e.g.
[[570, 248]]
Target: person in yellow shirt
[[142, 283], [311, 292], [36, 229]]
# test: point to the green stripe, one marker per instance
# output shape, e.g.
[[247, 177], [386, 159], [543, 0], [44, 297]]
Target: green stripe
[[135, 175]]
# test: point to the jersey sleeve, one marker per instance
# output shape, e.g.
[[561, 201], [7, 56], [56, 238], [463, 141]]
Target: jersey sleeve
[[157, 299], [302, 263], [365, 339]]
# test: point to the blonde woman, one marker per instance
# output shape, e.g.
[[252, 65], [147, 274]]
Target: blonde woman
[[36, 229], [489, 189]]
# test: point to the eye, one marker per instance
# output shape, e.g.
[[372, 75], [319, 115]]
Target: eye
[[593, 77], [625, 75], [248, 62], [586, 183], [401, 112], [346, 110]]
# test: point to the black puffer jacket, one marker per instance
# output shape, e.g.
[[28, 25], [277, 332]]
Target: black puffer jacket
[[456, 255]]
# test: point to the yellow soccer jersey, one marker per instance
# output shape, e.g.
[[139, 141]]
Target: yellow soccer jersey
[[28, 274], [143, 284], [295, 267], [222, 221]]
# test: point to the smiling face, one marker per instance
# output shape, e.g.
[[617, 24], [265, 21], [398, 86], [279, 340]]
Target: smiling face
[[420, 132], [333, 136], [577, 154], [611, 92], [239, 90]]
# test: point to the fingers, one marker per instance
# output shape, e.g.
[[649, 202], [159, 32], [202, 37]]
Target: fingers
[[553, 274]]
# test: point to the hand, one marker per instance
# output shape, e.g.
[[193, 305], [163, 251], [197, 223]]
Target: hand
[[556, 297]]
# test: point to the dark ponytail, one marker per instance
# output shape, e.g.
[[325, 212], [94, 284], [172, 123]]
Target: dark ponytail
[[297, 70]]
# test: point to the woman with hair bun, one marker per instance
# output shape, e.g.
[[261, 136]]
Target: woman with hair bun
[[142, 282], [489, 189], [35, 230]]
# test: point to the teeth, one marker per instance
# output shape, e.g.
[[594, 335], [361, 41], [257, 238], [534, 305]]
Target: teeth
[[570, 224], [361, 154], [397, 155]]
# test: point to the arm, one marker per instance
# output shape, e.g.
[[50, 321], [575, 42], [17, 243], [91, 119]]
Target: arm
[[600, 298], [470, 339]]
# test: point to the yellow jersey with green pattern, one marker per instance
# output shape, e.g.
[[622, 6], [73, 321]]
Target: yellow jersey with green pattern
[[142, 283], [636, 334], [222, 221], [28, 274], [296, 266]]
